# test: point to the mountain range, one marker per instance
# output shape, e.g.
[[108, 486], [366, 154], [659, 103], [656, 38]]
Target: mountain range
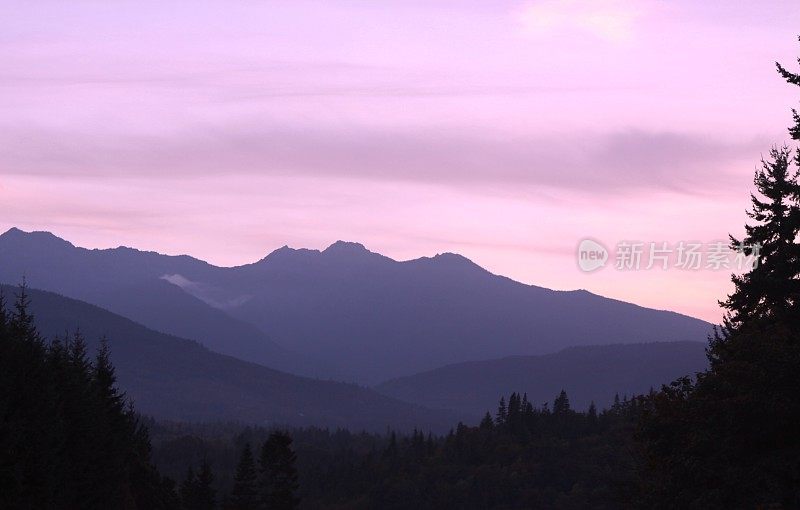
[[343, 312]]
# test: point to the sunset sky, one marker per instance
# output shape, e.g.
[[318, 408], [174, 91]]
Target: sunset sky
[[504, 131]]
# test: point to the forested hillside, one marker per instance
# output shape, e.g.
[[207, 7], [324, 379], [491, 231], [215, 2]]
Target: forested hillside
[[178, 379], [590, 374]]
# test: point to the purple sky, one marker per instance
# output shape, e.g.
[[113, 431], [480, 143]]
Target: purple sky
[[505, 131]]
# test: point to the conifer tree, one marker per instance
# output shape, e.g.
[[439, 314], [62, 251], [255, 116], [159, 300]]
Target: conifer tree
[[591, 415], [188, 490], [513, 408], [770, 291], [244, 495], [487, 423], [561, 404], [278, 475], [3, 315], [502, 412], [729, 438], [205, 493]]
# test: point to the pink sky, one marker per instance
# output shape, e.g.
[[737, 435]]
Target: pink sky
[[505, 131]]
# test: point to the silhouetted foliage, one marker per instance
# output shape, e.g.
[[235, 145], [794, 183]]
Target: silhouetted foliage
[[278, 475], [535, 459], [67, 439], [244, 495], [729, 439]]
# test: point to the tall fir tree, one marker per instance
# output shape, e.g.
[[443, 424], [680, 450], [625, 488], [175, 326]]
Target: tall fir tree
[[561, 404], [729, 439], [244, 495], [770, 291], [502, 412], [206, 496], [278, 481]]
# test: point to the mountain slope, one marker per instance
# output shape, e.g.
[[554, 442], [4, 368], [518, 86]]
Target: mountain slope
[[128, 282], [588, 373], [177, 379], [366, 316], [381, 318]]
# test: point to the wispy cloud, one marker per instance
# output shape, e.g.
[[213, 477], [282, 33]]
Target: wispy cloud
[[209, 294], [616, 162]]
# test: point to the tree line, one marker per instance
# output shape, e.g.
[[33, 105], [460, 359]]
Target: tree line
[[69, 439], [269, 484], [520, 456]]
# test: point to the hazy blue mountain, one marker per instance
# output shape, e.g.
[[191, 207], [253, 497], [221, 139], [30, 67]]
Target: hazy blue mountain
[[177, 379], [368, 317], [129, 282], [588, 373], [381, 318]]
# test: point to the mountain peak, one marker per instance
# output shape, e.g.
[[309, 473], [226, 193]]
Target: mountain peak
[[13, 233], [346, 247], [16, 235], [452, 260], [450, 256]]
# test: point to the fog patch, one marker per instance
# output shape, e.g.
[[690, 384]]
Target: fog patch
[[213, 296]]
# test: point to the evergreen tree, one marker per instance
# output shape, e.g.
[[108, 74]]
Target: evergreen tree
[[278, 475], [3, 314], [502, 412], [729, 439], [513, 408], [112, 425], [244, 495], [770, 292], [21, 320], [794, 79], [561, 404], [206, 495], [196, 490], [591, 416], [487, 423], [28, 430], [391, 449]]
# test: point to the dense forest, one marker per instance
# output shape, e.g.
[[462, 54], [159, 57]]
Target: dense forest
[[724, 438], [519, 457]]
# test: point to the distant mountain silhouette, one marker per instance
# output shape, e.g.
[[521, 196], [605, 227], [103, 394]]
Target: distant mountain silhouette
[[129, 282], [380, 318], [177, 379], [366, 316], [588, 373]]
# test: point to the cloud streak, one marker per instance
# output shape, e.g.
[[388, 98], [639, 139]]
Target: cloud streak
[[617, 162]]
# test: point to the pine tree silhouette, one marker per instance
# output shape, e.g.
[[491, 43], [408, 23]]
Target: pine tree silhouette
[[729, 438], [244, 495], [561, 404], [278, 475], [206, 495]]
